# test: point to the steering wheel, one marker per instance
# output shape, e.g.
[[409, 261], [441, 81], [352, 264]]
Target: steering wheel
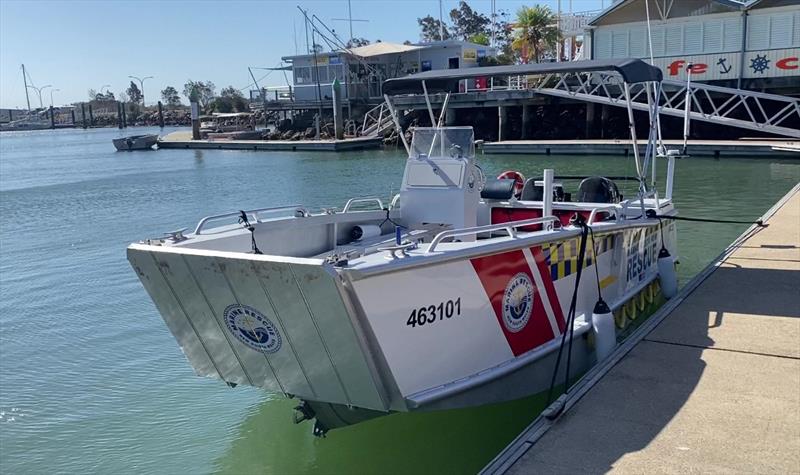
[[519, 180]]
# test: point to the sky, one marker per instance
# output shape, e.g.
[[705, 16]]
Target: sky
[[80, 45]]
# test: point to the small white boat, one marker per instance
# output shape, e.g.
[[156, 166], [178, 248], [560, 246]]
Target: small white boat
[[135, 142], [463, 291]]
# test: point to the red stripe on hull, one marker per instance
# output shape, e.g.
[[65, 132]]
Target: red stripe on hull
[[496, 273]]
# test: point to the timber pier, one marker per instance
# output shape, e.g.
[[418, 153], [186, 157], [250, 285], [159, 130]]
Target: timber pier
[[710, 383]]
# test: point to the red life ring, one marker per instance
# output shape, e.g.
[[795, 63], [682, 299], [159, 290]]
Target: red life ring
[[519, 180]]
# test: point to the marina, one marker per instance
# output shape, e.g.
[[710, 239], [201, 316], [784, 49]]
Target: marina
[[694, 388], [497, 238]]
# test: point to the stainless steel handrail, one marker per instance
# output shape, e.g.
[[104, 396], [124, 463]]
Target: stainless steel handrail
[[353, 201], [251, 212], [509, 227], [604, 209]]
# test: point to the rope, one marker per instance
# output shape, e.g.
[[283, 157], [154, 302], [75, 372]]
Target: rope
[[570, 316], [652, 214], [246, 223]]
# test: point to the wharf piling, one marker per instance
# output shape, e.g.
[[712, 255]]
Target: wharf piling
[[91, 116], [160, 115], [119, 114], [710, 383], [52, 118]]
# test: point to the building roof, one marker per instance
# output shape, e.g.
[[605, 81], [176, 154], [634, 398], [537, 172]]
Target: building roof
[[632, 71], [385, 47], [732, 4], [377, 49]]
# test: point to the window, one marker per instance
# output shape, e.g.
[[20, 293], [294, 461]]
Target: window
[[712, 36], [674, 40], [619, 44], [693, 38], [758, 32], [781, 31], [302, 75], [638, 43]]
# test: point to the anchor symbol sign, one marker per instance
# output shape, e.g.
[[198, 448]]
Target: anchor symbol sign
[[723, 66]]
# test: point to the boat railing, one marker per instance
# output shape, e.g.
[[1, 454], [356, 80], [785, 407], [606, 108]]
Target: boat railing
[[252, 214], [604, 209], [509, 227], [353, 201]]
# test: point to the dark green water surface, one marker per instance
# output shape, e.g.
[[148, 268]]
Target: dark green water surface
[[91, 381]]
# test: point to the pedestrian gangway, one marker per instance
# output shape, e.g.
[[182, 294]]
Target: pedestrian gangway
[[725, 106]]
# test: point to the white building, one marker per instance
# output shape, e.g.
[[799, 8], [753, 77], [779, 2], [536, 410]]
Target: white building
[[368, 66], [709, 35]]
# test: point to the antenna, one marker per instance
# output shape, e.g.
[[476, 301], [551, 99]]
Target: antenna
[[349, 19]]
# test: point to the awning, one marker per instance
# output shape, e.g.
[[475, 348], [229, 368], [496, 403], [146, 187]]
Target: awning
[[377, 49], [444, 80]]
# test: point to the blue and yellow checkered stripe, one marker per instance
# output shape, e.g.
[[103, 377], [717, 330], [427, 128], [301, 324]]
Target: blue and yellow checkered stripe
[[563, 256]]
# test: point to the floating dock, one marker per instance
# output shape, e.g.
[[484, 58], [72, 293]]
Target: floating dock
[[183, 139], [700, 148], [709, 384]]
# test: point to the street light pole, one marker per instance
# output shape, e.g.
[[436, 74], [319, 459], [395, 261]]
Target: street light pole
[[51, 95], [39, 93], [141, 84]]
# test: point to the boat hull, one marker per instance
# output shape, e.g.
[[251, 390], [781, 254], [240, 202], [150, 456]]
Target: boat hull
[[435, 333], [136, 142]]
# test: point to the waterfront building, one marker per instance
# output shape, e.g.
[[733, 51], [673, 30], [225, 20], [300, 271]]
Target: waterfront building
[[361, 70], [708, 34]]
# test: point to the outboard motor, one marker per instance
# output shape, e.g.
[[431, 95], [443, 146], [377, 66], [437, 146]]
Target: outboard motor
[[598, 189]]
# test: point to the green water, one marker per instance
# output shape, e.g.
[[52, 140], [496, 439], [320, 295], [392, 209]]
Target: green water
[[91, 381]]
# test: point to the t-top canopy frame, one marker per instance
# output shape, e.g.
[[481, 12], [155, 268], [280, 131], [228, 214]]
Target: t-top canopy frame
[[446, 80]]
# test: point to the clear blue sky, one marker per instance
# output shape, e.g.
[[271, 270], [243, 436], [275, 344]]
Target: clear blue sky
[[81, 45]]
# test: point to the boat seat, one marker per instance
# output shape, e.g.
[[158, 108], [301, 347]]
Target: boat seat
[[533, 192], [502, 189]]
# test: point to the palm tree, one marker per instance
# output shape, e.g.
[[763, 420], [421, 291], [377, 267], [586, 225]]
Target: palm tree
[[536, 31]]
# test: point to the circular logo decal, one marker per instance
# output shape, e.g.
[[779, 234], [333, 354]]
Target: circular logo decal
[[252, 328], [517, 302]]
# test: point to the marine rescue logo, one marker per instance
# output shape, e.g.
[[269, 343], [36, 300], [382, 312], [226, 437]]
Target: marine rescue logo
[[517, 302], [252, 328]]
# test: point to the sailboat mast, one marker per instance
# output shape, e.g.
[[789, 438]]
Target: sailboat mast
[[25, 81]]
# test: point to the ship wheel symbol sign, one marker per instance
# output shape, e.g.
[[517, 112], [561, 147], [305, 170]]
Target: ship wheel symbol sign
[[759, 64]]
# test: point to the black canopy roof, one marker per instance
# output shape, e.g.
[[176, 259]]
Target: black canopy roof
[[632, 71]]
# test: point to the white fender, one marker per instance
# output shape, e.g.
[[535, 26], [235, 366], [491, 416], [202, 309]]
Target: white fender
[[666, 274], [604, 332]]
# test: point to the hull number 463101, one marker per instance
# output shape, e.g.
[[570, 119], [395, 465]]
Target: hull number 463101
[[431, 313]]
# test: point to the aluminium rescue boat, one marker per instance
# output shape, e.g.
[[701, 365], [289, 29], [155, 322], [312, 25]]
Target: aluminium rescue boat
[[461, 292]]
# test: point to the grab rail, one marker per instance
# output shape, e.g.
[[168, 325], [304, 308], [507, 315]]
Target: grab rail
[[353, 201], [509, 227], [604, 209], [252, 212]]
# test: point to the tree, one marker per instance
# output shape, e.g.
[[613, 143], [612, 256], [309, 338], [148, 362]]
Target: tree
[[170, 97], [479, 39], [536, 32], [467, 22], [93, 95], [430, 29], [229, 100], [202, 92], [133, 92], [357, 42]]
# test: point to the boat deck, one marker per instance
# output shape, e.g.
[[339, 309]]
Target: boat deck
[[712, 383]]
